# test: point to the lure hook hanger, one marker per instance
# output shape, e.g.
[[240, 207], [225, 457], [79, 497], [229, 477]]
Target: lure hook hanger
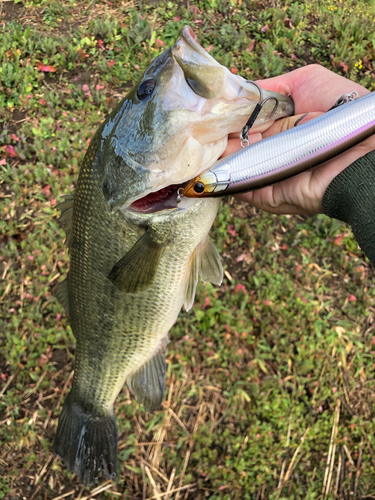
[[180, 194], [350, 96], [244, 135]]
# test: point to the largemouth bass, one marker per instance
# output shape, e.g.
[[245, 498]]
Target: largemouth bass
[[135, 254]]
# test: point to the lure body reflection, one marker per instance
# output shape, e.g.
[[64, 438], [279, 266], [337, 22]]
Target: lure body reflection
[[288, 153]]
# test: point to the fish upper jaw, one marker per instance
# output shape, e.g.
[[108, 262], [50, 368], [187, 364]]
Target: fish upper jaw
[[209, 79]]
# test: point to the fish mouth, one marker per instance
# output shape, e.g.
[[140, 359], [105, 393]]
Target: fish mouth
[[158, 201], [201, 104]]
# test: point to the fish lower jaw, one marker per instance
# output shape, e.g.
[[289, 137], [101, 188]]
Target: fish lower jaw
[[157, 201], [167, 197]]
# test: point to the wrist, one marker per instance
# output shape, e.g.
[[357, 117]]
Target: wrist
[[350, 197]]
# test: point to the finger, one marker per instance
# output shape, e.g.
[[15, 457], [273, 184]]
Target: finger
[[235, 144], [313, 87], [264, 200], [289, 122], [307, 189], [303, 193], [281, 125]]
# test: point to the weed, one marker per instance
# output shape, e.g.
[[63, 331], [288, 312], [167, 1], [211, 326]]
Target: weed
[[262, 367]]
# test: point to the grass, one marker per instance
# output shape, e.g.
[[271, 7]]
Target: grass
[[270, 385]]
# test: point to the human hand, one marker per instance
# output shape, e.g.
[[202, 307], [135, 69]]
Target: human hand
[[314, 90]]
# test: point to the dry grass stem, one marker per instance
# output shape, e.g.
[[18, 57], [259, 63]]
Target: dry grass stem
[[290, 468], [62, 395], [160, 495], [331, 452], [170, 482], [35, 493], [144, 484], [178, 420], [338, 475], [10, 380], [348, 455], [96, 491], [157, 471], [358, 471], [155, 486], [186, 461], [64, 495], [43, 470], [284, 462]]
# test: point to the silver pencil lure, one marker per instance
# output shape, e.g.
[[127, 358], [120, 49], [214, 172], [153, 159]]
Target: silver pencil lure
[[288, 153]]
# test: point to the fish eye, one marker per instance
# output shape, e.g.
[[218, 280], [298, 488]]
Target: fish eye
[[145, 89], [199, 187]]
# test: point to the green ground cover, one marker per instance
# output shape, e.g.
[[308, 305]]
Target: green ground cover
[[270, 385]]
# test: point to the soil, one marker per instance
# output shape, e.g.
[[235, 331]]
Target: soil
[[10, 11]]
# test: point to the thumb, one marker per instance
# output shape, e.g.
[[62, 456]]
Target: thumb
[[289, 122]]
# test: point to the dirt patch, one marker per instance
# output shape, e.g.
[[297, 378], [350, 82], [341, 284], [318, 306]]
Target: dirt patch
[[60, 358], [12, 121], [81, 78], [11, 11]]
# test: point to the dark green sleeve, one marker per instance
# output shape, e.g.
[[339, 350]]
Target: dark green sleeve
[[351, 198]]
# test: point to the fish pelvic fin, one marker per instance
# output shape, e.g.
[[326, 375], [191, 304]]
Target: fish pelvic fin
[[148, 383], [62, 295], [66, 216], [136, 271], [210, 268], [191, 281], [205, 262], [87, 444]]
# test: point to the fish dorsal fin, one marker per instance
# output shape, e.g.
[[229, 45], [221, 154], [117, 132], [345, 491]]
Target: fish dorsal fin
[[66, 216], [148, 383], [62, 294], [136, 271], [210, 268], [191, 281]]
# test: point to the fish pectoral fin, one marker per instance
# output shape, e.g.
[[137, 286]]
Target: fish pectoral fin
[[210, 268], [191, 281], [136, 271], [62, 294], [66, 216], [148, 383]]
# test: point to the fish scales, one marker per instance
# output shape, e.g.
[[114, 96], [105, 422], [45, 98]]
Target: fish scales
[[107, 314], [135, 253]]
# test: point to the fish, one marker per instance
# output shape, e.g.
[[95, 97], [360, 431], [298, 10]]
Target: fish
[[135, 253]]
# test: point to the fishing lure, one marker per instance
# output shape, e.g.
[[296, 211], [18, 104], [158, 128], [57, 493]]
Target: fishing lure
[[289, 153]]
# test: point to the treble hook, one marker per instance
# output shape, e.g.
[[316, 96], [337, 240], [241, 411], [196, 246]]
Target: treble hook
[[244, 135]]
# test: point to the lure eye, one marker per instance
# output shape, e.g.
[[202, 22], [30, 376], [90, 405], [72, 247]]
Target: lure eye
[[199, 187], [145, 89]]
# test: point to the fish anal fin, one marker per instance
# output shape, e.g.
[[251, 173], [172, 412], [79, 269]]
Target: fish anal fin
[[210, 268], [191, 281], [66, 216], [62, 294], [148, 383], [136, 271]]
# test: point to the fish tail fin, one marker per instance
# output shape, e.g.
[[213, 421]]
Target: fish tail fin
[[87, 444]]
